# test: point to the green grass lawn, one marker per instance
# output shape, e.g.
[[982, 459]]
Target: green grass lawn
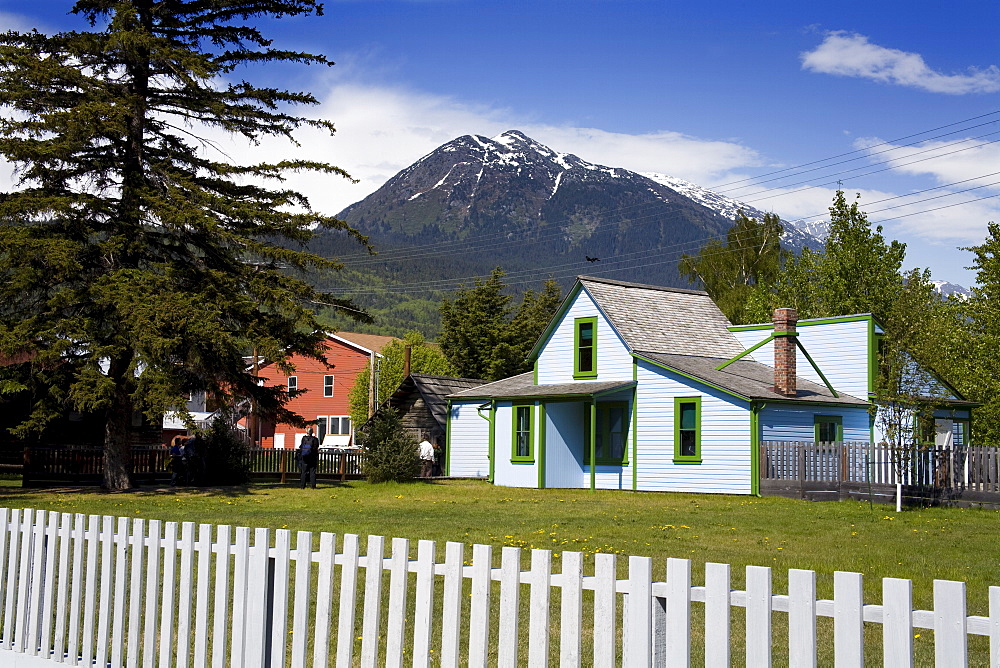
[[919, 544]]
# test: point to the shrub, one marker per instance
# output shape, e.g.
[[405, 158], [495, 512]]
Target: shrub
[[390, 452], [226, 461]]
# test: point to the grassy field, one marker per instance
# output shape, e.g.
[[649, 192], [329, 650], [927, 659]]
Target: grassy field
[[919, 544]]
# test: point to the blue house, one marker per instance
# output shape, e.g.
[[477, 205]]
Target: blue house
[[650, 388]]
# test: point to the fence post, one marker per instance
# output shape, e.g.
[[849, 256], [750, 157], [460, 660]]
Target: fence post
[[284, 466], [26, 466]]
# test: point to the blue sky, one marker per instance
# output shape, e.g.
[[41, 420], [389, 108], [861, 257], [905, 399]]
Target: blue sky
[[711, 92]]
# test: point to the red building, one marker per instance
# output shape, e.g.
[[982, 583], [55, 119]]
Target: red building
[[325, 399]]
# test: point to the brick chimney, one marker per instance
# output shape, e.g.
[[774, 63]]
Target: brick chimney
[[784, 351], [407, 353]]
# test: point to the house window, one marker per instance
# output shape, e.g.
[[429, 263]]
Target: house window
[[585, 348], [523, 434], [611, 434], [293, 383], [335, 425], [829, 428], [687, 430], [327, 386]]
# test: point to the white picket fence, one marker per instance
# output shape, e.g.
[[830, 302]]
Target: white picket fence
[[88, 590]]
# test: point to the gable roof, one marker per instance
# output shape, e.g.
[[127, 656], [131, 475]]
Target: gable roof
[[368, 343], [658, 319], [434, 390]]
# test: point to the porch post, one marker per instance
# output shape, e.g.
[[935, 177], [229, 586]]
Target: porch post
[[593, 444]]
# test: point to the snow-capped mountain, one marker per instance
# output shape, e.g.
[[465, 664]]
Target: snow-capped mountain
[[477, 202], [946, 289], [796, 233]]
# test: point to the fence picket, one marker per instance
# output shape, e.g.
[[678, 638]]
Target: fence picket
[[241, 567], [153, 555], [951, 645], [538, 618], [479, 610], [451, 603], [994, 626], [758, 616], [424, 604], [372, 611], [39, 558], [717, 611], [897, 623], [678, 627], [571, 613], [801, 618], [220, 617], [103, 640], [80, 540], [62, 595], [202, 588], [324, 598], [137, 544], [167, 602], [24, 583], [119, 601], [278, 601], [12, 581], [510, 606], [637, 636], [258, 584], [300, 606], [52, 548], [184, 586], [605, 609], [848, 623], [348, 594], [396, 627]]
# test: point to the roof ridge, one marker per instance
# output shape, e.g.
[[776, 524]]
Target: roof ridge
[[644, 286], [428, 375]]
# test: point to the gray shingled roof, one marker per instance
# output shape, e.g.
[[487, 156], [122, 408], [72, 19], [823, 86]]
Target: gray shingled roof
[[434, 390], [523, 387], [664, 320], [751, 380]]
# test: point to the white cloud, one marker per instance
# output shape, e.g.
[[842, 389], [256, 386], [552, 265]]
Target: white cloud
[[850, 54], [381, 130]]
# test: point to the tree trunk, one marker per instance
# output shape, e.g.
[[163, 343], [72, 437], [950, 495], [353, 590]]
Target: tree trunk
[[117, 436]]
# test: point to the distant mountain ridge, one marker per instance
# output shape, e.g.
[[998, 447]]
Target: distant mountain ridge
[[514, 202]]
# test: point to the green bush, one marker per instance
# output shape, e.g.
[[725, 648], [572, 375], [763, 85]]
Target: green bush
[[390, 452], [226, 461]]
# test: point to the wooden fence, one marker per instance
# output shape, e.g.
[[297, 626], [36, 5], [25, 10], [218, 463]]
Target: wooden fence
[[126, 591], [966, 473], [85, 466]]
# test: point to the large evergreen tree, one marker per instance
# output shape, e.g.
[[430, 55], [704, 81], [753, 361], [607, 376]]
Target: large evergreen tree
[[484, 336], [130, 251]]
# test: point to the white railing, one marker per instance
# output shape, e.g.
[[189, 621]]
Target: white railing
[[130, 592]]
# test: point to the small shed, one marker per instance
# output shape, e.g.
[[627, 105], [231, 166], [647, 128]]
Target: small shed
[[422, 404]]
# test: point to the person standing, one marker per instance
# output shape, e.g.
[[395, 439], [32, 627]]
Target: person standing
[[426, 458], [176, 463], [308, 459]]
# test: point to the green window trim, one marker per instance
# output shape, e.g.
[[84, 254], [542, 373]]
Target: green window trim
[[584, 348], [687, 430], [522, 439], [605, 435], [826, 423]]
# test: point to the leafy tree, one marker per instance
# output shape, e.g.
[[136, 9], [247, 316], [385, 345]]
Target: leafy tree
[[391, 453], [751, 256], [856, 272], [972, 350], [483, 336], [129, 253], [424, 358]]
